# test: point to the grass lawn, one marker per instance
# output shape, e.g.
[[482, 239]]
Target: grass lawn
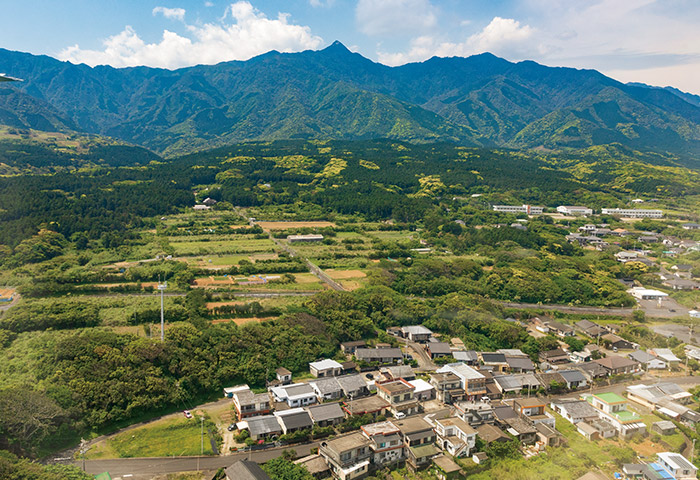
[[162, 438]]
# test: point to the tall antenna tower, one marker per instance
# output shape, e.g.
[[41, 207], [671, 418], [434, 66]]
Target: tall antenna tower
[[162, 287]]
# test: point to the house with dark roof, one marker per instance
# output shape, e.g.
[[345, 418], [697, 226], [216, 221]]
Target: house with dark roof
[[616, 365], [326, 414], [560, 329], [353, 386], [574, 379], [245, 470], [574, 410], [261, 427], [381, 356], [592, 370], [489, 434], [438, 349], [495, 360], [284, 376], [554, 357], [294, 420], [348, 348], [618, 342], [519, 364]]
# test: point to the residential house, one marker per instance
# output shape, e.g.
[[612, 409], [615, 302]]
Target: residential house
[[495, 360], [649, 362], [448, 387], [533, 409], [455, 436], [470, 357], [295, 395], [617, 342], [472, 382], [575, 411], [560, 329], [353, 386], [418, 437], [489, 434], [580, 357], [348, 368], [438, 349], [381, 356], [326, 414], [516, 383], [249, 404], [548, 435], [592, 370], [446, 468], [423, 391], [284, 376], [294, 420], [666, 355], [347, 456], [386, 444], [348, 348], [399, 394], [677, 465], [245, 470], [554, 357], [589, 328], [551, 381], [574, 379], [522, 429], [398, 371], [327, 389], [519, 364], [416, 333], [616, 365], [612, 408], [475, 413], [325, 368], [229, 391], [261, 427], [511, 352], [315, 465], [664, 427], [661, 396], [373, 405]]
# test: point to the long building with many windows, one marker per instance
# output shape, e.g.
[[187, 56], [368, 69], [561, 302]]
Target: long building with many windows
[[529, 209], [633, 212]]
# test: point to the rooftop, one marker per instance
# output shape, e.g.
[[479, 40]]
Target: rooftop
[[367, 404], [380, 428], [395, 386], [610, 397], [325, 364], [347, 442], [412, 425], [446, 464], [325, 411]]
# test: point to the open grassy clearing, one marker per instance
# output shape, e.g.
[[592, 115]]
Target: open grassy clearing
[[162, 438], [267, 226], [303, 282], [235, 244]]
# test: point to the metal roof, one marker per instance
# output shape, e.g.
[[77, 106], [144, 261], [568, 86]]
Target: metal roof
[[263, 425], [325, 411]]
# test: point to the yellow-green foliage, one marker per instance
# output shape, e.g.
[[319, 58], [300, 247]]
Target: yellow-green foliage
[[294, 163], [369, 165], [333, 168], [239, 159], [430, 185]]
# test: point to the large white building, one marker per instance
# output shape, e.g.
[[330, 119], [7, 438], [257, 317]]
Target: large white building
[[570, 210], [529, 209], [633, 212]]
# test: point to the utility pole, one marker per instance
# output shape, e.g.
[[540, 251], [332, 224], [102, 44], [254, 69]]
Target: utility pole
[[201, 453], [162, 287]]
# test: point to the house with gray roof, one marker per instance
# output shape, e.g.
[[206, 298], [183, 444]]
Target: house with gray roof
[[327, 388], [326, 414], [245, 470], [573, 378], [353, 386], [470, 357], [261, 427], [650, 362], [382, 356], [294, 420]]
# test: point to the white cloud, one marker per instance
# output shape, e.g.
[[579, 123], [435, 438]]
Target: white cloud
[[379, 17], [248, 33], [171, 13], [321, 3], [502, 36], [208, 4]]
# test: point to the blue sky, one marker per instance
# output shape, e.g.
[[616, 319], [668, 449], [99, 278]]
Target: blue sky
[[651, 41]]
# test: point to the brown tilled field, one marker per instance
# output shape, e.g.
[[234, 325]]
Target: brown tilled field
[[212, 305], [344, 274], [241, 321], [267, 226]]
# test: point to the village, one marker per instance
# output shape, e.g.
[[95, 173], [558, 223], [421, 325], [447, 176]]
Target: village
[[374, 411]]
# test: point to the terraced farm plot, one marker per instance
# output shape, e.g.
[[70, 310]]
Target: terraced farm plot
[[349, 279], [267, 226], [221, 245], [394, 236]]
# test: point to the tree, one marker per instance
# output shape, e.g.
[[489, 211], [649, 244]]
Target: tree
[[507, 449], [281, 468], [27, 417]]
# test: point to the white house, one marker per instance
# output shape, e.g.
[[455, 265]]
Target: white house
[[455, 436], [295, 395], [677, 465], [641, 293], [529, 209]]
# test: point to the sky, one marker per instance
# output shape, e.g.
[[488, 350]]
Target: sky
[[651, 41]]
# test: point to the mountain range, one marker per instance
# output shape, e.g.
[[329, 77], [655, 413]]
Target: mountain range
[[334, 93]]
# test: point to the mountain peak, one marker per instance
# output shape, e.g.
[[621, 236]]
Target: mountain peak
[[336, 46]]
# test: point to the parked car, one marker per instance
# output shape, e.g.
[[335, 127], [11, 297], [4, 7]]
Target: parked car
[[187, 414], [400, 415], [231, 427], [369, 376]]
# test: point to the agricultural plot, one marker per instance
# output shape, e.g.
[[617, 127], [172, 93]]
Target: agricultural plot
[[349, 279], [267, 226], [220, 245], [274, 282]]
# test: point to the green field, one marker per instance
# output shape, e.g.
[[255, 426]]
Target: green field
[[163, 438]]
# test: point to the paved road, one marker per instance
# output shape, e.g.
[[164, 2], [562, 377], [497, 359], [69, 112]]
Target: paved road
[[142, 467], [425, 363]]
